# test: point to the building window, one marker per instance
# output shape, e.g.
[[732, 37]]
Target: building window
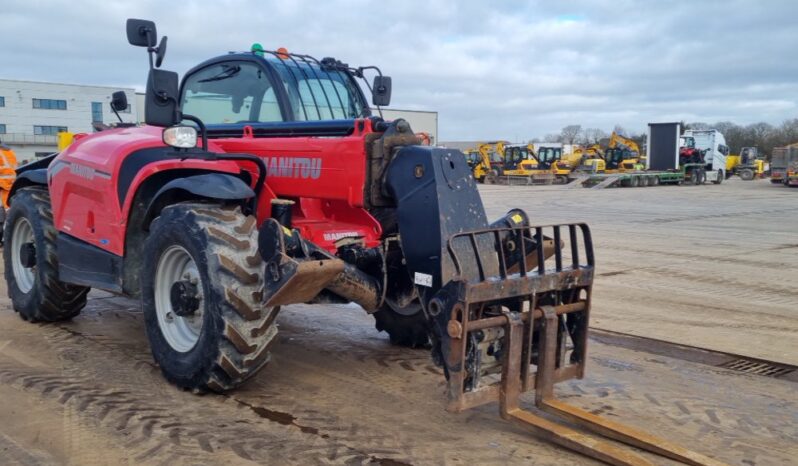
[[50, 104], [2, 101], [96, 112], [3, 129], [49, 130]]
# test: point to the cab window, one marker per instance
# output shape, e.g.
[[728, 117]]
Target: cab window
[[231, 92], [317, 94]]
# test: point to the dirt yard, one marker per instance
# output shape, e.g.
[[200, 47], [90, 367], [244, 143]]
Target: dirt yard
[[714, 267]]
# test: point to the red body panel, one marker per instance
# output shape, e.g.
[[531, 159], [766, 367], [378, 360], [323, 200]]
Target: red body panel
[[325, 176]]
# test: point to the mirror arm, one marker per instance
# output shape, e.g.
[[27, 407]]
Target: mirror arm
[[203, 132], [117, 114]]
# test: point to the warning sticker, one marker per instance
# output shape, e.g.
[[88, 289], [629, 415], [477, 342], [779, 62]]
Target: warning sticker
[[423, 279]]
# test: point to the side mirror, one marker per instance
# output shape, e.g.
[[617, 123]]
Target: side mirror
[[381, 91], [141, 33], [160, 101], [161, 52], [119, 101]]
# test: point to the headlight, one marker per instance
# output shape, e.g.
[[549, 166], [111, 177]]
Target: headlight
[[183, 137]]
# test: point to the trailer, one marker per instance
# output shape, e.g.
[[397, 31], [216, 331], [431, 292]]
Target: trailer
[[691, 173], [781, 160]]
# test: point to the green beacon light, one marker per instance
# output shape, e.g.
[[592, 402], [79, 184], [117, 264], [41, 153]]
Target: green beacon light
[[257, 49]]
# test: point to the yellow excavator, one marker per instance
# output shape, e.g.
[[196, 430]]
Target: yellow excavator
[[622, 154], [523, 161], [485, 160], [590, 159]]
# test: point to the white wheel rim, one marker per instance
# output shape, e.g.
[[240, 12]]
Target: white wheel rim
[[176, 264], [22, 234]]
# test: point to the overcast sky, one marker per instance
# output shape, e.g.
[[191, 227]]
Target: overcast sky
[[509, 70]]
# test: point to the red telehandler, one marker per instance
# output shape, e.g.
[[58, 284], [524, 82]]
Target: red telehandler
[[262, 180]]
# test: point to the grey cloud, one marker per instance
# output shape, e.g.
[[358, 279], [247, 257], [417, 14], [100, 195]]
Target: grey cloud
[[492, 69]]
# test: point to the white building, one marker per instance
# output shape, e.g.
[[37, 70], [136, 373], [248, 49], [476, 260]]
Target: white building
[[420, 120], [32, 113]]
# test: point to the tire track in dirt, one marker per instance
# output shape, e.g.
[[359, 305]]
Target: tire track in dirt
[[149, 431]]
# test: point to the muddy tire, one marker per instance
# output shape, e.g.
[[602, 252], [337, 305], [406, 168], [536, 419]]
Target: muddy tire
[[406, 326], [202, 283], [2, 222], [408, 330], [31, 262]]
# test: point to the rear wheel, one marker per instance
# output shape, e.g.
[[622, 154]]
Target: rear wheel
[[695, 177], [201, 293], [31, 262], [747, 174], [634, 182]]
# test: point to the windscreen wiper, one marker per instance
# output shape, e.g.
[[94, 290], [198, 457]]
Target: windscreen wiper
[[226, 73]]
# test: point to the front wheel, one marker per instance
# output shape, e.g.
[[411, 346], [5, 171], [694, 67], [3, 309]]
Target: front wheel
[[747, 175], [719, 180], [404, 328], [31, 262], [202, 281]]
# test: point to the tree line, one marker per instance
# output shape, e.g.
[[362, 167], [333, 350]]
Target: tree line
[[761, 135]]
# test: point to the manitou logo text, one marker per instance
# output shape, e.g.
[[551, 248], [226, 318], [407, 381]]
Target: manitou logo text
[[82, 171], [294, 167]]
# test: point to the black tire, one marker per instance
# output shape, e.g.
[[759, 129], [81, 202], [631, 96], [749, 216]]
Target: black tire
[[46, 299], [654, 181], [405, 326], [695, 177], [720, 178], [634, 182], [236, 330], [747, 174], [403, 330], [703, 177], [2, 223]]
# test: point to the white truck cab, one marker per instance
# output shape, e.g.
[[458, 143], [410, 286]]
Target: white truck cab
[[714, 144]]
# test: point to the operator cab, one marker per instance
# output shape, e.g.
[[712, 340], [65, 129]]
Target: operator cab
[[514, 155], [271, 92], [250, 89], [547, 156]]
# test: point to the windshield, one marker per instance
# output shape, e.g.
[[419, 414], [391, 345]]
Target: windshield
[[231, 92], [548, 154], [687, 142], [614, 155], [317, 94]]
